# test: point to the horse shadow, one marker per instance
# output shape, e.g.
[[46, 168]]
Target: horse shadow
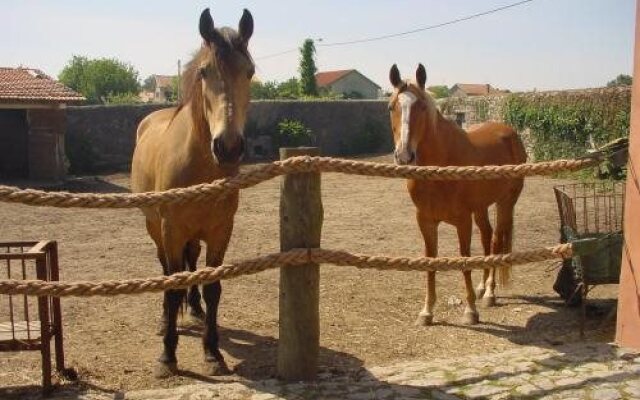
[[341, 374], [559, 322]]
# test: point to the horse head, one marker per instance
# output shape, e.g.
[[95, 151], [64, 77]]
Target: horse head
[[223, 72], [412, 113]]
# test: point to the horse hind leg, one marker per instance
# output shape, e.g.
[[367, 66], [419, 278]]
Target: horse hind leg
[[486, 288], [463, 228], [191, 254], [481, 219]]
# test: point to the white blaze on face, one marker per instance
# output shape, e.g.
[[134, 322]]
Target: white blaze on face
[[403, 150]]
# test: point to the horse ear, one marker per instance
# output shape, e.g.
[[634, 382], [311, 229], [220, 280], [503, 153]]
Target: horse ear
[[206, 26], [421, 76], [245, 28], [394, 76]]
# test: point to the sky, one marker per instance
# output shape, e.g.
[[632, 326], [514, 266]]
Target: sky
[[542, 45]]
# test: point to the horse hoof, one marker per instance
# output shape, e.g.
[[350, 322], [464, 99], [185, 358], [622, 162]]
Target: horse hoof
[[424, 320], [489, 302], [165, 370], [480, 293], [470, 318], [216, 368]]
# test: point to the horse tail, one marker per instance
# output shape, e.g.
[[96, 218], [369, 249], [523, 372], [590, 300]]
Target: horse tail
[[507, 205], [504, 273], [504, 227]]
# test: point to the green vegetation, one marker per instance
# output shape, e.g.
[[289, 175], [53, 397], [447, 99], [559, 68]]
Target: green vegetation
[[100, 79], [307, 69], [293, 133], [439, 91], [565, 125], [621, 80]]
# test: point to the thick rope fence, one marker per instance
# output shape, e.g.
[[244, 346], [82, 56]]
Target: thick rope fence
[[219, 188], [286, 259]]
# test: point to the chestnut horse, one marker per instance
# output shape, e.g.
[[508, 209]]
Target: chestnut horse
[[424, 137], [199, 141]]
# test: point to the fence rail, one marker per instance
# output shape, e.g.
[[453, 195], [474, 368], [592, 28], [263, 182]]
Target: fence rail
[[300, 164], [284, 259]]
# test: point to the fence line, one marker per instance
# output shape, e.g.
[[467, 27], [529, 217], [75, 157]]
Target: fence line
[[284, 259], [221, 187]]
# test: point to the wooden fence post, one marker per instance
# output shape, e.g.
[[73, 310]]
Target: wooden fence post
[[301, 217]]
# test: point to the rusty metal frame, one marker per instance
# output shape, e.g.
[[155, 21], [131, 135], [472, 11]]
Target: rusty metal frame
[[45, 256]]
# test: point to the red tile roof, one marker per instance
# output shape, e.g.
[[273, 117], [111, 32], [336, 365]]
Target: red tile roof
[[32, 85], [329, 77]]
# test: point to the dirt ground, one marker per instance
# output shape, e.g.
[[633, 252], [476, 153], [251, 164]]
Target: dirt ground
[[366, 316]]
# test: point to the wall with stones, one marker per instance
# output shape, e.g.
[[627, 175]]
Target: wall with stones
[[102, 138]]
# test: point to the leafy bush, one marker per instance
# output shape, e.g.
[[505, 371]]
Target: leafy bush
[[123, 98], [293, 133]]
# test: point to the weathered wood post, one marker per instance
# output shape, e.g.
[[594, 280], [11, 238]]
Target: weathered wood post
[[301, 217]]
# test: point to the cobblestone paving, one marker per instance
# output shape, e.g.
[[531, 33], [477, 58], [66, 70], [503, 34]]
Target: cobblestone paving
[[577, 371]]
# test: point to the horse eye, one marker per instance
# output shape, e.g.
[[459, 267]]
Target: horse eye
[[203, 72]]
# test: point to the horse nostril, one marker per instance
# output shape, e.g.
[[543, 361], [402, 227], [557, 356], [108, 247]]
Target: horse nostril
[[228, 155]]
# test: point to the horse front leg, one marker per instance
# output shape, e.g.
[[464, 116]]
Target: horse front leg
[[463, 228], [173, 242], [192, 252], [429, 229], [216, 248]]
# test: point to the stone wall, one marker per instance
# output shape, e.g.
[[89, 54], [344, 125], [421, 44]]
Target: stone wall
[[102, 138]]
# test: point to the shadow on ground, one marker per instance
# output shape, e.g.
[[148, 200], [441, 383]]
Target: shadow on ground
[[346, 374]]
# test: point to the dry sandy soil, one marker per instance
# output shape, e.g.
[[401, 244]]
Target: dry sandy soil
[[366, 316]]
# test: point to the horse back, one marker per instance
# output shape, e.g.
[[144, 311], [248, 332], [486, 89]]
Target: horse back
[[496, 144]]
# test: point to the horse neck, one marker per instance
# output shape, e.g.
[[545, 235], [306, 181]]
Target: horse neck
[[442, 142]]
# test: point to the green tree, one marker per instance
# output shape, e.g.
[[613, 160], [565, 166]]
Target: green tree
[[264, 91], [621, 80], [289, 89], [308, 69], [439, 91], [99, 79]]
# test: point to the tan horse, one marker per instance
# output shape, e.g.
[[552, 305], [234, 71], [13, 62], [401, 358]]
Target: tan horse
[[424, 137], [199, 141]]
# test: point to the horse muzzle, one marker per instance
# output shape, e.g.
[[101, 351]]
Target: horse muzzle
[[404, 157], [226, 153]]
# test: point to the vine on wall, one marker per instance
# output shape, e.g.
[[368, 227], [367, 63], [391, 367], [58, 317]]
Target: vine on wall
[[565, 124]]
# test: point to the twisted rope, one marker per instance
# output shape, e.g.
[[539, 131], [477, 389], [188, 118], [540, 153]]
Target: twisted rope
[[217, 189], [294, 257]]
